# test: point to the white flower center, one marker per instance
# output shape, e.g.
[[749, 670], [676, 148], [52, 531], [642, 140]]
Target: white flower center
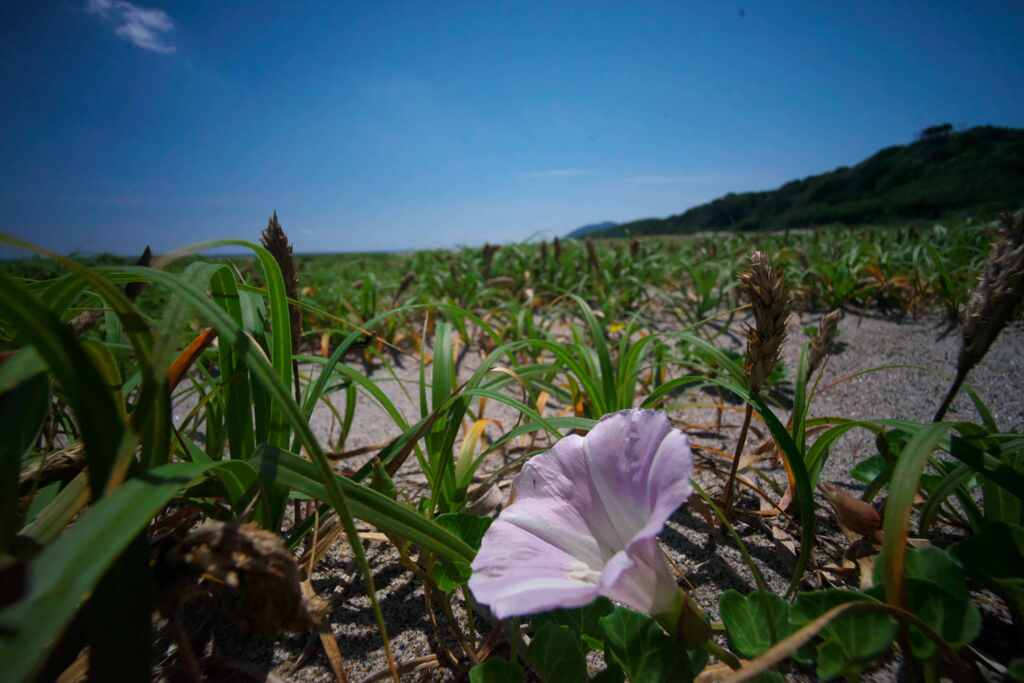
[[579, 571]]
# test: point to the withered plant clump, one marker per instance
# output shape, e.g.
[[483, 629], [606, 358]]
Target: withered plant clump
[[247, 572]]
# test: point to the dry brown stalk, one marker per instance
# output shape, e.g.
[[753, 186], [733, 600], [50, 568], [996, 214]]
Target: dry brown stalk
[[62, 465], [992, 302]]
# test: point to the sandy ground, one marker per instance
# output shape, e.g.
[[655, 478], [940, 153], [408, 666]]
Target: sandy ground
[[710, 562]]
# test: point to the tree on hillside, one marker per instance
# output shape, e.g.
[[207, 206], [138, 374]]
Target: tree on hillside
[[939, 132]]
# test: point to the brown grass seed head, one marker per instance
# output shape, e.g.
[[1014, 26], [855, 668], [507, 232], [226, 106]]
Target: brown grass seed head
[[996, 296], [822, 343], [765, 287], [276, 242]]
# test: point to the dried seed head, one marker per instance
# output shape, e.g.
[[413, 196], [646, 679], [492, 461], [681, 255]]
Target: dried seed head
[[557, 245], [276, 242], [766, 289], [404, 285], [821, 345], [999, 290], [133, 289], [634, 249], [254, 574], [592, 260], [489, 251]]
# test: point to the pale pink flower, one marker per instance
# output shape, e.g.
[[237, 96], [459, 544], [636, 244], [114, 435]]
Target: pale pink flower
[[585, 522]]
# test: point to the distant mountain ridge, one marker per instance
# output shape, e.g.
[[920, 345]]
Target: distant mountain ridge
[[980, 170], [590, 229]]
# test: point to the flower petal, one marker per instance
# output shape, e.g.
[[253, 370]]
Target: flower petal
[[555, 502], [641, 578], [640, 467], [516, 573]]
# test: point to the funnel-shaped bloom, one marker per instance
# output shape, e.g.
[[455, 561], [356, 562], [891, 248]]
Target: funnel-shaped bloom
[[585, 522]]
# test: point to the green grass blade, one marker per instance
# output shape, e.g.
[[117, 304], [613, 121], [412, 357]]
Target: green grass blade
[[800, 396], [52, 519], [950, 483], [668, 388], [604, 358], [23, 409], [233, 373], [902, 490], [83, 385], [280, 331], [365, 383], [24, 364], [717, 357], [991, 468], [578, 370], [382, 512], [629, 368], [805, 493]]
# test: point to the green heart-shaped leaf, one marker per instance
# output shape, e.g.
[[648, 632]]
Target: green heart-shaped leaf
[[754, 622], [496, 670], [645, 652], [849, 640], [583, 621], [557, 655]]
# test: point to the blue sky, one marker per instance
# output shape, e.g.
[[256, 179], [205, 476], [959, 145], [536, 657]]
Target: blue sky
[[381, 125]]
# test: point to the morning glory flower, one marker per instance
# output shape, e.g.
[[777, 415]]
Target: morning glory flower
[[585, 521]]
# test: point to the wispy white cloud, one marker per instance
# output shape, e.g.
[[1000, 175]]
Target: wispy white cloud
[[669, 179], [560, 173], [144, 27]]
